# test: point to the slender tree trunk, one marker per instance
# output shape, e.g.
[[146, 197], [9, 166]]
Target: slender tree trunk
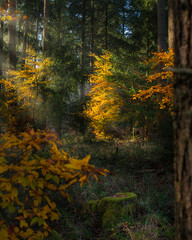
[[183, 119], [161, 25], [92, 34], [1, 49], [148, 37], [25, 34], [171, 26], [37, 35], [161, 32], [44, 49], [1, 52], [82, 60], [45, 23], [12, 60], [123, 30], [106, 24]]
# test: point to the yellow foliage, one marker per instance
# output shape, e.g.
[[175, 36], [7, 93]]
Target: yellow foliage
[[105, 103], [28, 181], [161, 90], [23, 87], [10, 16]]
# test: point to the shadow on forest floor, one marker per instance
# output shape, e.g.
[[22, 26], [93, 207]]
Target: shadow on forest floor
[[146, 170]]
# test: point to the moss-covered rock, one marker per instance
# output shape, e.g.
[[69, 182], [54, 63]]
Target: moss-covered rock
[[92, 206], [111, 210]]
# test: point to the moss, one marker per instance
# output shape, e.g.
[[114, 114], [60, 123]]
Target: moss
[[91, 206], [113, 209], [110, 210]]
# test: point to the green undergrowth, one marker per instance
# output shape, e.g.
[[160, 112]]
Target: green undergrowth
[[144, 169]]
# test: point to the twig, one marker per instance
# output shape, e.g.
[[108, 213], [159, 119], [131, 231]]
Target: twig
[[187, 71], [130, 234]]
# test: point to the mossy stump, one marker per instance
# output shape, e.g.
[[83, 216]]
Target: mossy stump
[[111, 210]]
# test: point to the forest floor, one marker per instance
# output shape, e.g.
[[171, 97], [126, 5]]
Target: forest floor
[[144, 169]]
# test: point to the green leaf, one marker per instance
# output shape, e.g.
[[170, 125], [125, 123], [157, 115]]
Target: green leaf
[[24, 181], [34, 185], [34, 220], [56, 235], [4, 204], [11, 208], [56, 179], [40, 221], [48, 176]]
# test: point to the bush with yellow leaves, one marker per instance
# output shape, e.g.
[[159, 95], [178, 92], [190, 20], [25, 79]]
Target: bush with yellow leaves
[[32, 168]]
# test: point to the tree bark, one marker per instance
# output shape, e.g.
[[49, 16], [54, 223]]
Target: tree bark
[[1, 49], [92, 34], [106, 24], [45, 23], [171, 26], [161, 25], [82, 60], [183, 119], [123, 21], [25, 34], [12, 60]]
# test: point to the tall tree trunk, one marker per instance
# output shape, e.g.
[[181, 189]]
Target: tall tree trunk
[[171, 26], [1, 49], [45, 23], [25, 34], [183, 119], [92, 34], [161, 25], [123, 24], [12, 60], [44, 49], [106, 24], [82, 60]]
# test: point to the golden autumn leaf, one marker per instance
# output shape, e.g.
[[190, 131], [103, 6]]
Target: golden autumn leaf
[[46, 233], [14, 191], [86, 160], [25, 17], [3, 169], [23, 224], [37, 205], [3, 18], [54, 216], [105, 103], [9, 18], [28, 232], [82, 180], [33, 143], [4, 234], [162, 82], [73, 166]]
